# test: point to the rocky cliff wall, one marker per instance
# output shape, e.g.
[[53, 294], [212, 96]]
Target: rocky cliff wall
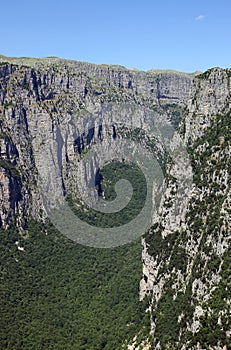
[[186, 257], [55, 107], [53, 111]]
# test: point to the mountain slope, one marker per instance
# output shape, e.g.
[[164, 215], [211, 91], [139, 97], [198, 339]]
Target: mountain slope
[[188, 277], [52, 112]]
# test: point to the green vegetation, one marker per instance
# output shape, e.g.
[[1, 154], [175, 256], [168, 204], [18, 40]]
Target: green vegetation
[[174, 112], [211, 331], [107, 178], [59, 295], [167, 328], [7, 104], [205, 74], [210, 160], [10, 167], [228, 71], [56, 294]]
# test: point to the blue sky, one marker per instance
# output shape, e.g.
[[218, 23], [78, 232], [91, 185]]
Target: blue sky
[[182, 35]]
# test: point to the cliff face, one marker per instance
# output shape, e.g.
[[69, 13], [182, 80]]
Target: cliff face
[[55, 108], [187, 271], [52, 111]]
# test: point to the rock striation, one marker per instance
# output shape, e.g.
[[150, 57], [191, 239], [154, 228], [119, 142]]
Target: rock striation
[[46, 107], [53, 110], [186, 265]]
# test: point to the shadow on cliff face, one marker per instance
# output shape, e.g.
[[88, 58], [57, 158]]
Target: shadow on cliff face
[[130, 154]]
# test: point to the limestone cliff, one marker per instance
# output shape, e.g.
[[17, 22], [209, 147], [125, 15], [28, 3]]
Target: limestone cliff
[[47, 106], [53, 110], [187, 271]]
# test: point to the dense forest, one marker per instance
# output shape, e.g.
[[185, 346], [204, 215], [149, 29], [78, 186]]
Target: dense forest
[[60, 295]]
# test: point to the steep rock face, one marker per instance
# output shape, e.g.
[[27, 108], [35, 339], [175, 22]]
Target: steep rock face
[[10, 181], [210, 95], [186, 271], [52, 109]]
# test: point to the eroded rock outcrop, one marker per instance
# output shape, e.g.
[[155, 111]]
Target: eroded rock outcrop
[[52, 111], [186, 270]]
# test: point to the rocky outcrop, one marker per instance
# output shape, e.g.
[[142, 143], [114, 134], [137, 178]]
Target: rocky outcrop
[[184, 271], [53, 111], [56, 108], [210, 95]]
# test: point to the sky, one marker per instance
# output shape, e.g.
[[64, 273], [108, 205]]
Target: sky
[[181, 35]]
